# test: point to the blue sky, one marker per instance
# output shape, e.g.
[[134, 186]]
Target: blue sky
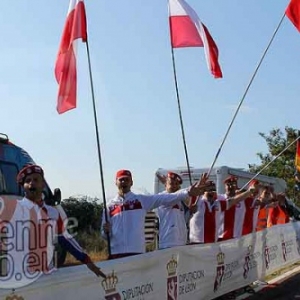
[[134, 87]]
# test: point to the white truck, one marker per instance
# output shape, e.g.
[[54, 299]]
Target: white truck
[[218, 175]]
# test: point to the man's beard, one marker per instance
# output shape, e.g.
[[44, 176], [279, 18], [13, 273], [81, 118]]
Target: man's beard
[[33, 193]]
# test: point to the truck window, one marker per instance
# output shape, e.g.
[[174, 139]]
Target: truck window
[[8, 176]]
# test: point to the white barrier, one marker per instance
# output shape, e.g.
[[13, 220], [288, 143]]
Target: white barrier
[[187, 272]]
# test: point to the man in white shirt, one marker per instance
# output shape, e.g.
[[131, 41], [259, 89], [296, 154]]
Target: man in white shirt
[[45, 224], [172, 225], [126, 214]]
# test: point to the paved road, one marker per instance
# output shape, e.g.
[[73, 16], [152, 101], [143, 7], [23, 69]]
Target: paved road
[[289, 289], [286, 289]]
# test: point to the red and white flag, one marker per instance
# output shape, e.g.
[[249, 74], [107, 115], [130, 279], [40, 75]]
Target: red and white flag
[[188, 31], [65, 66], [293, 13]]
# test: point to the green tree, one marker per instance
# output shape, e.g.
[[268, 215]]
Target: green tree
[[86, 210], [284, 166]]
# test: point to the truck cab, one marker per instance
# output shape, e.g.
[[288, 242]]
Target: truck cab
[[217, 175], [12, 160]]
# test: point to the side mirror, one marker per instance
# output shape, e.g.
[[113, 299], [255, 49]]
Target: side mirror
[[57, 196]]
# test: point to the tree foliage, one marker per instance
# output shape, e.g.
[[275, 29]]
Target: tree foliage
[[284, 166], [86, 210]]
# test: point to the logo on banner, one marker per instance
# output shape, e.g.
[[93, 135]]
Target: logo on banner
[[109, 285], [172, 282], [250, 261], [270, 254], [267, 257], [283, 247], [220, 270], [247, 262]]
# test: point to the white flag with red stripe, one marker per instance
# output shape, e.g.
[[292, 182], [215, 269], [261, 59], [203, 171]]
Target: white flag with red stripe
[[187, 30], [65, 66]]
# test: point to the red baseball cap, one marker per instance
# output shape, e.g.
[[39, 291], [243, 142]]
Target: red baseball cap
[[175, 176], [27, 170], [253, 182], [123, 173], [230, 179]]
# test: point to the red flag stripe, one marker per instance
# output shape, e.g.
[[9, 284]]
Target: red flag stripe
[[65, 66], [293, 13], [212, 50], [184, 32]]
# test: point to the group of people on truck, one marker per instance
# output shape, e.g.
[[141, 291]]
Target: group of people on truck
[[212, 217]]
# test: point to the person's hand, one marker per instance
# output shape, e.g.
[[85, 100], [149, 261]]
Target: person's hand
[[271, 189], [97, 271], [198, 188], [203, 179], [254, 187], [107, 228], [161, 178], [273, 204], [280, 197]]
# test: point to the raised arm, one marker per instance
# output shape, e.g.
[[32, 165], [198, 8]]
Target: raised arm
[[252, 191], [67, 242], [152, 201]]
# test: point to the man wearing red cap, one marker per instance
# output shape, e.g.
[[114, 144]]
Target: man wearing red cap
[[251, 207], [172, 223], [31, 178], [127, 211]]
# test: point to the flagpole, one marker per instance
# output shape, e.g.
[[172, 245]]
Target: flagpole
[[180, 116], [98, 144], [267, 165], [245, 93]]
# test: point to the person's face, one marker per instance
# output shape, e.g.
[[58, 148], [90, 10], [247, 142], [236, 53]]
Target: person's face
[[124, 184], [172, 185], [230, 188], [210, 195], [33, 186], [265, 194], [281, 199]]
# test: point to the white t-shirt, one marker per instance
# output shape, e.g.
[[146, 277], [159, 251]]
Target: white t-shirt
[[172, 225]]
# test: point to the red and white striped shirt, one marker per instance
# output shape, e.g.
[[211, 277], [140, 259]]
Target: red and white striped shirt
[[205, 223], [227, 222], [239, 219], [249, 210]]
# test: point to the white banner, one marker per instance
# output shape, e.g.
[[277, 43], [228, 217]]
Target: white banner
[[187, 272]]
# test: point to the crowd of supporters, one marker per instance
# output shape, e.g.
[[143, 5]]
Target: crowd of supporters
[[185, 217]]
